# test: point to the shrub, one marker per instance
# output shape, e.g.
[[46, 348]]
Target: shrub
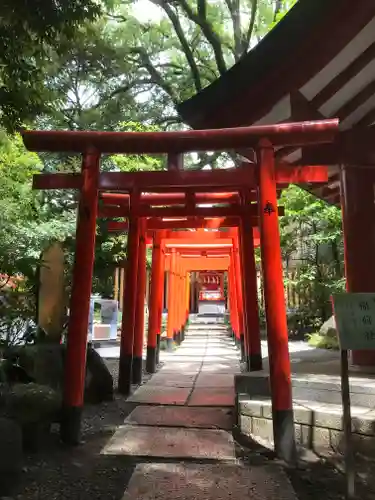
[[323, 341]]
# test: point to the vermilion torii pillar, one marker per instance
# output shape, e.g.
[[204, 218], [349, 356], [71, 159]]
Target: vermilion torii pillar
[[171, 319], [177, 302], [274, 297], [161, 303], [234, 308], [156, 303], [137, 365], [239, 296], [254, 351], [129, 303], [358, 213], [75, 367]]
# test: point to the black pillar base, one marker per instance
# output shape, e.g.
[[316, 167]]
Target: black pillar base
[[254, 362], [151, 359], [125, 375], [182, 333], [178, 338], [137, 370], [169, 345], [283, 432], [70, 425], [242, 347], [157, 349]]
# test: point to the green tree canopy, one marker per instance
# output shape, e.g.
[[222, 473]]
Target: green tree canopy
[[29, 32]]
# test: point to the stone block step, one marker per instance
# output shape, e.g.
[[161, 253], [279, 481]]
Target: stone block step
[[311, 387], [317, 425]]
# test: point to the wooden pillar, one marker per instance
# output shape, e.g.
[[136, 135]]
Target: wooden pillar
[[139, 325], [75, 358], [177, 302], [156, 292], [187, 302], [358, 211], [161, 301], [171, 300], [116, 284], [239, 297], [252, 328], [129, 304], [234, 307], [231, 304], [277, 331], [192, 291], [122, 284]]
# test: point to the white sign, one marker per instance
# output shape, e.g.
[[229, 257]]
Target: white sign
[[355, 320]]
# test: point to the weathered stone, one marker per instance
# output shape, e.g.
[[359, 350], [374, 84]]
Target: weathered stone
[[48, 365], [254, 384], [45, 363], [32, 403], [329, 328], [99, 381], [207, 481], [211, 396], [165, 379], [10, 455], [171, 442], [182, 416], [160, 395], [215, 380]]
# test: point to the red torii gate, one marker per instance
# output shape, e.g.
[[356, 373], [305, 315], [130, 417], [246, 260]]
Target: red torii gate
[[264, 176], [247, 332]]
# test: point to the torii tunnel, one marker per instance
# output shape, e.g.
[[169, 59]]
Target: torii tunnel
[[152, 204]]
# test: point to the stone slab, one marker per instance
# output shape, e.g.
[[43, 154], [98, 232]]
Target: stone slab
[[171, 442], [215, 380], [172, 380], [221, 367], [152, 394], [182, 416], [209, 482], [180, 367], [314, 387], [210, 396]]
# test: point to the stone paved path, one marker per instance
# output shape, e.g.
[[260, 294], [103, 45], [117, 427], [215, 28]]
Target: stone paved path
[[182, 425]]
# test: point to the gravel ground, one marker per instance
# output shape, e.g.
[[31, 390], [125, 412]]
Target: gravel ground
[[59, 473], [315, 477]]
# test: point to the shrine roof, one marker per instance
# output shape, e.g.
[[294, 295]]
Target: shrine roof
[[318, 62]]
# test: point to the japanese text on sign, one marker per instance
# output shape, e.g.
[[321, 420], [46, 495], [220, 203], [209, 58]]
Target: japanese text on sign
[[355, 320]]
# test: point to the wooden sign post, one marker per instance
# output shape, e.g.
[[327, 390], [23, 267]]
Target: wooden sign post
[[355, 324]]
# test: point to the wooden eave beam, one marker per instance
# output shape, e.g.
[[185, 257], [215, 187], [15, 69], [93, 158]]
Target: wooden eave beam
[[357, 101], [367, 120], [342, 78], [301, 109], [313, 53]]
